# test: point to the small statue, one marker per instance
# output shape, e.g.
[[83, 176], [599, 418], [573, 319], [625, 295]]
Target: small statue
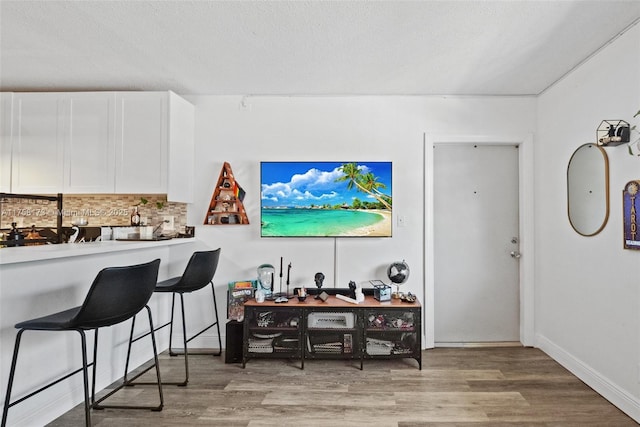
[[352, 289], [318, 278]]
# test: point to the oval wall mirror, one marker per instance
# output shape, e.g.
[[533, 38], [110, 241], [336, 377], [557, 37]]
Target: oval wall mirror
[[588, 189]]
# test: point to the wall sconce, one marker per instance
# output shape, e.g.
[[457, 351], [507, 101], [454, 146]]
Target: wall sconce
[[612, 133]]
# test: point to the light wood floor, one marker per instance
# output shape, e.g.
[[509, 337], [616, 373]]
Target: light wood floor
[[456, 387]]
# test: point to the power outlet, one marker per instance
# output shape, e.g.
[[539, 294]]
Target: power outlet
[[245, 104]]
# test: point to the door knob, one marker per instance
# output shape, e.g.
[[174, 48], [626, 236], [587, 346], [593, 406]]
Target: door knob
[[515, 254]]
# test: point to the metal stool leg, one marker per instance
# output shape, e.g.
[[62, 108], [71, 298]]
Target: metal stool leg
[[216, 323], [126, 364], [184, 341], [155, 358], [173, 303], [171, 352], [95, 358], [85, 376], [7, 399], [215, 311], [97, 405]]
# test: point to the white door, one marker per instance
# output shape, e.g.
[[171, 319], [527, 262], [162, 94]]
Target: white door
[[476, 243]]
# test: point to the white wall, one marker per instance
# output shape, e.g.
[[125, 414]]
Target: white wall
[[587, 288], [333, 128]]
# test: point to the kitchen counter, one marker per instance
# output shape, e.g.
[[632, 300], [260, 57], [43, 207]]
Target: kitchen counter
[[40, 280], [66, 250]]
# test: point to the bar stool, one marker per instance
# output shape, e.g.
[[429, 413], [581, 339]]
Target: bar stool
[[198, 273], [116, 295]]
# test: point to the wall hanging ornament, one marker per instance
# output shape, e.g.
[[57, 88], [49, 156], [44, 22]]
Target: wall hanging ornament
[[226, 205], [631, 220], [613, 132]]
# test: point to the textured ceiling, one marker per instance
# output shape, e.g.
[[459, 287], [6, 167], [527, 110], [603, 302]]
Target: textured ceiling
[[303, 47]]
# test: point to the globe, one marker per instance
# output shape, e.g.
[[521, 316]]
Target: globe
[[398, 272]]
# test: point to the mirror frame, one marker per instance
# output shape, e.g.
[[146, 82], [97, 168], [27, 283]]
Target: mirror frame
[[605, 159]]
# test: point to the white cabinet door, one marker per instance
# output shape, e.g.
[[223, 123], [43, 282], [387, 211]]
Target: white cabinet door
[[37, 144], [97, 142], [6, 99], [89, 159], [181, 150], [141, 142]]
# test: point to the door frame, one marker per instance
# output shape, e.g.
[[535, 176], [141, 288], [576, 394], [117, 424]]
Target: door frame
[[526, 226]]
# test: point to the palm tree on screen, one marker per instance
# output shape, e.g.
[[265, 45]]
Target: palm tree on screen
[[367, 183]]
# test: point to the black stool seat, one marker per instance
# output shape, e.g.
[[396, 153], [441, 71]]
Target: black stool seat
[[168, 285], [117, 294], [197, 274], [54, 322]]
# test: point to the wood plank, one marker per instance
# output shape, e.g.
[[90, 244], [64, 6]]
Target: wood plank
[[450, 374], [464, 399], [329, 398]]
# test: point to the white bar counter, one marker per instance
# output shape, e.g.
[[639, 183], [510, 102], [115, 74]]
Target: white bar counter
[[41, 280], [65, 250]]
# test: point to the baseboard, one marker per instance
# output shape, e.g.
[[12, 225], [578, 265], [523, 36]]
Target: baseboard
[[601, 384], [209, 341], [48, 412], [483, 344]]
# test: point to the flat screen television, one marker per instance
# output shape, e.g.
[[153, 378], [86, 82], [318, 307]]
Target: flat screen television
[[326, 199]]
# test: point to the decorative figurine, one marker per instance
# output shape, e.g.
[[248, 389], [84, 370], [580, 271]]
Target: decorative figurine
[[265, 279], [318, 278], [352, 289]]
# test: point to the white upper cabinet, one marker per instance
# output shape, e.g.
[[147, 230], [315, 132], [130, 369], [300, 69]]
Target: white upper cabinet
[[155, 144], [181, 150], [37, 143], [63, 142], [97, 142], [89, 159], [6, 99], [142, 122]]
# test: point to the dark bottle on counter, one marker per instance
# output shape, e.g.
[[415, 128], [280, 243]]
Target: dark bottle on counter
[[15, 235], [135, 217]]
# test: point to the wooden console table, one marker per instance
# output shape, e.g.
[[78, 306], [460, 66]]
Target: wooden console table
[[313, 329]]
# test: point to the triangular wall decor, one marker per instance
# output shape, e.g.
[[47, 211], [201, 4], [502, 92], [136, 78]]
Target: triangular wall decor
[[226, 203]]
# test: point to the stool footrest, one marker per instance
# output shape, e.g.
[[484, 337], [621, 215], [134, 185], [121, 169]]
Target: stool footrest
[[96, 404], [146, 334], [201, 352], [51, 384], [202, 331]]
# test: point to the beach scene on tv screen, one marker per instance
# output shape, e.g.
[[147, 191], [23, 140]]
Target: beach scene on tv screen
[[326, 199]]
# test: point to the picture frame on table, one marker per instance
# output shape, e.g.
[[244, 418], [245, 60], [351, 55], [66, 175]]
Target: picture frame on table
[[237, 294]]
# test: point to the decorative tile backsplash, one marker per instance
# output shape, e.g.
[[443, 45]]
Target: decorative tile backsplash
[[98, 209]]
